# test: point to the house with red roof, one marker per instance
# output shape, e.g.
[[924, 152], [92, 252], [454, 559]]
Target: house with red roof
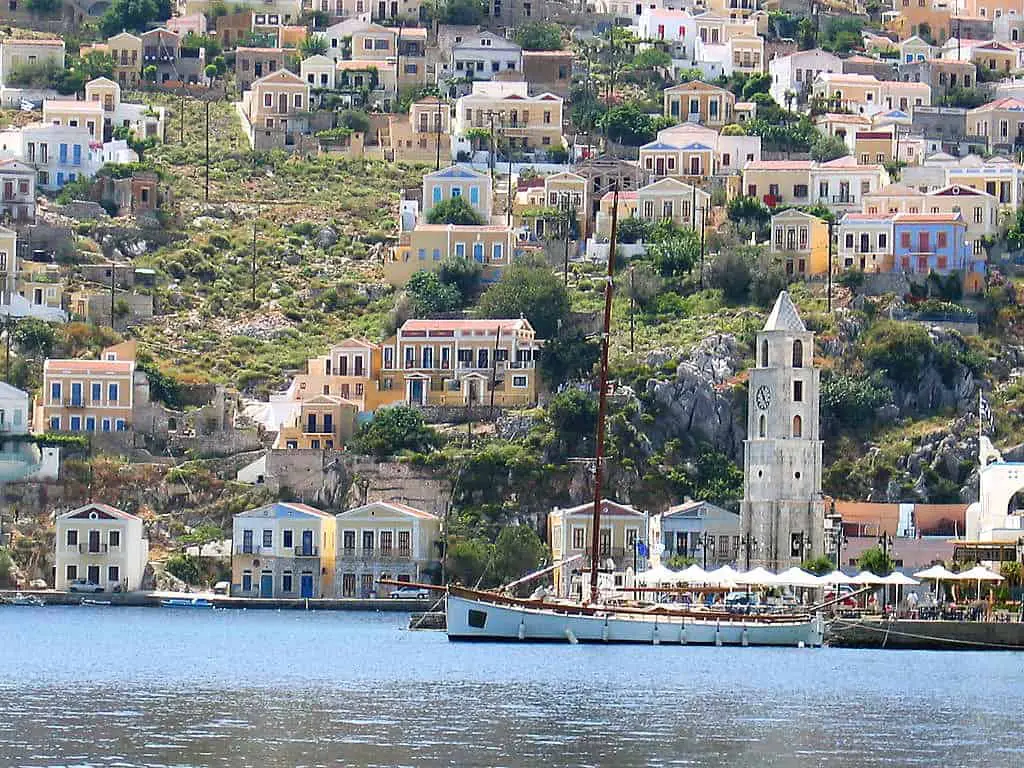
[[385, 540], [102, 546]]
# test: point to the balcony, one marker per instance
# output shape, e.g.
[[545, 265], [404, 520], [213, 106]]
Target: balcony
[[844, 200], [249, 549], [301, 551], [370, 553], [94, 549], [618, 554]]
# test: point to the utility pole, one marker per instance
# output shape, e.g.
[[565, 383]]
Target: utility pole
[[494, 367], [508, 208], [182, 136], [490, 154], [206, 192], [703, 223], [254, 265], [113, 274], [566, 223], [632, 310], [829, 301], [437, 125]]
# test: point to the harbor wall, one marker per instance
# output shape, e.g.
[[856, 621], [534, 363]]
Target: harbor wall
[[152, 600], [927, 635]]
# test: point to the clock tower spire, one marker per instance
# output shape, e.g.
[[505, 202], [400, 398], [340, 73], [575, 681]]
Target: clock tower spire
[[783, 513]]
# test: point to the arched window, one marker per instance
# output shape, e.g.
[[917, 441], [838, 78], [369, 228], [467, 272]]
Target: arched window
[[798, 426], [762, 426], [764, 353], [798, 354]]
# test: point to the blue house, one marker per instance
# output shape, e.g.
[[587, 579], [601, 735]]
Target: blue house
[[702, 531], [935, 242]]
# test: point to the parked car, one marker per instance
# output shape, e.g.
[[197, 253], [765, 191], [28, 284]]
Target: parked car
[[222, 587], [82, 585], [410, 592]]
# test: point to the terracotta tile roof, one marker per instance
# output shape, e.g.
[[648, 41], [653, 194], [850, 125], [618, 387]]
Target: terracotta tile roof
[[486, 325], [780, 165], [927, 218], [32, 41], [866, 217]]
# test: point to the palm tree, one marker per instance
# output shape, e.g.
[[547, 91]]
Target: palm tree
[[313, 45]]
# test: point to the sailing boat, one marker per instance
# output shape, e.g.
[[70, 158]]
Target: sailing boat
[[485, 615]]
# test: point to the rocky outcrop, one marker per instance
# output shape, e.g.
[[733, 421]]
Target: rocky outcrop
[[700, 402]]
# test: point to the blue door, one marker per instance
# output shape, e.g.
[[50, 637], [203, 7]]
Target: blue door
[[307, 543], [267, 585], [416, 395], [307, 585]]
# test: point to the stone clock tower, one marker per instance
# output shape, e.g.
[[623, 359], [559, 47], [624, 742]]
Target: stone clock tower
[[782, 514]]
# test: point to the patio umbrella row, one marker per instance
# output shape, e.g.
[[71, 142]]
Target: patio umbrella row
[[727, 576]]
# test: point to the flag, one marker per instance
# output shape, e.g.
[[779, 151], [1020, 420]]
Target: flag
[[641, 549], [984, 411]]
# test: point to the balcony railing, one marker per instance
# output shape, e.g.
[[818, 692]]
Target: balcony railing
[[301, 551], [844, 199], [615, 553], [93, 549], [369, 553], [247, 549]]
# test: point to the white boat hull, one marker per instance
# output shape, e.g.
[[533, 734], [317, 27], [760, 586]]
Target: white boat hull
[[470, 619]]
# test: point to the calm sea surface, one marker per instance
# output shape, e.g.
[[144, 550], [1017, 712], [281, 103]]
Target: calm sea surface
[[150, 687]]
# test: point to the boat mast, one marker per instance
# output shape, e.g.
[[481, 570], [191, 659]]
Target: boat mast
[[602, 398]]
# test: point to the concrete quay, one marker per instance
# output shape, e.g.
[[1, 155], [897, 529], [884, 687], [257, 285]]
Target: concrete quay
[[926, 635], [152, 600]]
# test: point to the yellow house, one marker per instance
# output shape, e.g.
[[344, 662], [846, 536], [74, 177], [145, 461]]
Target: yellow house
[[523, 121], [663, 200], [699, 102], [494, 246], [283, 550], [126, 50], [424, 136], [536, 204], [1001, 122], [455, 181], [429, 362], [88, 395], [275, 110], [873, 147], [779, 181], [385, 540], [323, 422], [87, 114], [570, 533], [800, 241]]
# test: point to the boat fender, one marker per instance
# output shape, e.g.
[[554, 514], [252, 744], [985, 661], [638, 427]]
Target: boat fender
[[718, 633], [743, 640], [656, 639], [800, 644], [682, 632], [570, 637], [522, 629], [604, 631]]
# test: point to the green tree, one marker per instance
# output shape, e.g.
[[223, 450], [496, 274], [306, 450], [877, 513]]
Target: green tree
[[875, 560], [133, 15], [467, 561], [149, 73], [748, 209], [313, 45], [354, 119], [459, 12], [674, 251], [650, 59], [454, 210], [731, 273], [210, 71], [163, 388], [184, 567], [756, 84], [463, 273], [393, 430], [43, 7], [573, 416], [819, 566], [633, 230], [898, 350], [842, 34], [531, 289], [852, 399], [567, 358], [827, 148], [429, 295], [34, 337], [6, 568], [807, 35], [734, 129], [518, 551], [201, 535], [628, 124], [539, 36]]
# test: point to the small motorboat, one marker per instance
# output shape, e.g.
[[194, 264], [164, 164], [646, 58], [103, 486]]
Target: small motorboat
[[20, 599], [90, 601], [186, 602]]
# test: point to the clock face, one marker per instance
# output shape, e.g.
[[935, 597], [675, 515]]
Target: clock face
[[763, 397]]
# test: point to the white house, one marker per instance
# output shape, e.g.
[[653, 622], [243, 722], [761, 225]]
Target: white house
[[795, 73], [384, 540], [336, 34], [481, 56], [14, 410], [915, 49], [675, 27], [102, 545], [59, 153], [319, 71]]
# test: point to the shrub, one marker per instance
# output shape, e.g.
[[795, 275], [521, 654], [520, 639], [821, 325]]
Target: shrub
[[393, 430], [530, 289], [852, 399], [184, 567], [454, 210], [899, 350]]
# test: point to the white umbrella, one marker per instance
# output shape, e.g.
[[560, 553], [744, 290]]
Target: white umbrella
[[693, 574], [795, 577], [867, 578], [759, 576], [837, 577], [978, 573], [657, 574], [899, 580], [936, 573], [723, 577]]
